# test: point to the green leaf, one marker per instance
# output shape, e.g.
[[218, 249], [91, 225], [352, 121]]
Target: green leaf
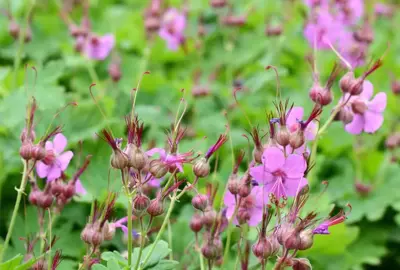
[[165, 265], [99, 267], [12, 263], [113, 264]]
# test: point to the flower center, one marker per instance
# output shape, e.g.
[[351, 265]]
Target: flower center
[[279, 173]]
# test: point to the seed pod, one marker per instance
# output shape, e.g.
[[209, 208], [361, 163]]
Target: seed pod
[[24, 136], [233, 184], [196, 223], [200, 202], [209, 217], [69, 190], [356, 87], [45, 200], [87, 233], [244, 189], [273, 31], [257, 154], [137, 157], [25, 151], [156, 207], [201, 168], [34, 196], [396, 87], [152, 24], [243, 215], [140, 204], [212, 249], [345, 115], [56, 187], [301, 264], [158, 168], [262, 249], [108, 231], [359, 106], [119, 160], [38, 152], [114, 70], [297, 139]]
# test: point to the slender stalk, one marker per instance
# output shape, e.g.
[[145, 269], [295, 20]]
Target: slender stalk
[[50, 224], [201, 261], [171, 255], [160, 232], [209, 264], [129, 231], [142, 238], [20, 190]]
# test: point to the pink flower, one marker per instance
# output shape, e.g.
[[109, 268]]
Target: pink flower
[[98, 48], [350, 11], [280, 175], [384, 10], [292, 123], [368, 114], [324, 226], [120, 224], [252, 204], [79, 189], [172, 28], [56, 161], [171, 160]]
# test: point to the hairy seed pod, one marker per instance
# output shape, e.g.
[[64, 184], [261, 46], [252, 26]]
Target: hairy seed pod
[[201, 168], [158, 168], [119, 160], [306, 239], [25, 151], [108, 231], [209, 217], [156, 207], [233, 184], [137, 158], [200, 202], [140, 204], [283, 136], [346, 81], [38, 152], [196, 223]]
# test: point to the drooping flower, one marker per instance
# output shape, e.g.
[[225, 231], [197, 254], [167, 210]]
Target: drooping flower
[[172, 160], [251, 206], [324, 226], [98, 48], [368, 114], [56, 161], [280, 175], [172, 28]]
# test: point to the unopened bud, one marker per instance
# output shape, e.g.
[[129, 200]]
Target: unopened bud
[[365, 34], [56, 187], [257, 154], [196, 223], [233, 184], [283, 136], [25, 151], [69, 190], [273, 31], [306, 239], [200, 202], [152, 24], [345, 115], [356, 87], [119, 160], [140, 204], [393, 141], [212, 249], [396, 87], [301, 264], [24, 135], [359, 106], [114, 70], [45, 200], [297, 139], [158, 168], [108, 231], [243, 215], [244, 189], [156, 207], [262, 249], [34, 196], [209, 217], [38, 152], [346, 81], [231, 20], [201, 168], [362, 188], [218, 3], [138, 159], [13, 29]]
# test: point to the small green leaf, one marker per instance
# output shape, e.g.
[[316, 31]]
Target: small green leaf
[[12, 263]]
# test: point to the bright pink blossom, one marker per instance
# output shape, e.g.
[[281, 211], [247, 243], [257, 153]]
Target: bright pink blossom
[[172, 28], [59, 160], [171, 160], [98, 48], [253, 203], [368, 114], [292, 123], [280, 175]]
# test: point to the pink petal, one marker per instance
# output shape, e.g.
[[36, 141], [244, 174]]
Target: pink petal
[[49, 145], [79, 188], [258, 173], [273, 159], [295, 166], [378, 103], [64, 159], [54, 173], [255, 216], [229, 199], [258, 193], [59, 142], [357, 125], [368, 90], [311, 131], [293, 186], [295, 114], [160, 151], [373, 121], [42, 169]]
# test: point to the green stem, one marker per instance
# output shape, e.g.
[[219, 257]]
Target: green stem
[[49, 259], [129, 231], [160, 232], [171, 255], [142, 238], [201, 261], [20, 191]]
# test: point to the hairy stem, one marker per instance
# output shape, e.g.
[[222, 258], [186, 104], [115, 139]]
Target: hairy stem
[[142, 238], [20, 190], [129, 231]]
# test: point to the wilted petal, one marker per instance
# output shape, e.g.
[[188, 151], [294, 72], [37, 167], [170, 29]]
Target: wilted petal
[[59, 142], [378, 103], [356, 126], [273, 159], [64, 159], [295, 166], [373, 121], [42, 169]]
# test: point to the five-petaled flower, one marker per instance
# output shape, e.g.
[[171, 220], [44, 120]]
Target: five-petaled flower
[[56, 161], [282, 176], [172, 28], [98, 48]]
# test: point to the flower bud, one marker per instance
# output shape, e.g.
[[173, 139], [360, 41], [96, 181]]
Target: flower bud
[[233, 184], [156, 207], [56, 187], [196, 223], [140, 204], [114, 70], [393, 141], [316, 92], [306, 239], [345, 82], [356, 87], [158, 168], [87, 233], [365, 34], [34, 196], [38, 152], [25, 151], [262, 249], [283, 136], [359, 106], [257, 154], [200, 202], [301, 264], [396, 87], [212, 249], [119, 160], [325, 98], [69, 190], [14, 29], [209, 217], [152, 24], [201, 168], [218, 3], [297, 139], [138, 159], [345, 115], [244, 189], [362, 189], [273, 31], [108, 231], [45, 200], [24, 135], [243, 215]]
